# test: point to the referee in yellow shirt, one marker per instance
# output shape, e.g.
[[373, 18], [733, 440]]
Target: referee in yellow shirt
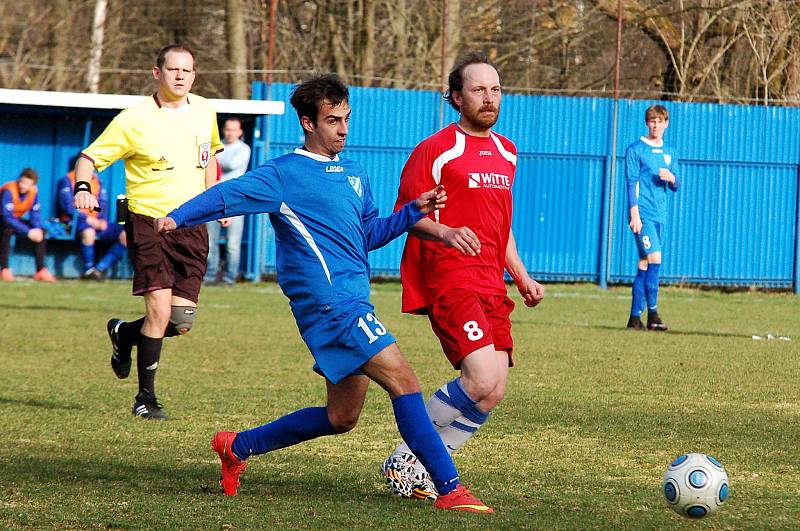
[[168, 143]]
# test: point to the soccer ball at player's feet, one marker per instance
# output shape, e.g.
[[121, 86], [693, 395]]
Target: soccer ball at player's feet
[[695, 485]]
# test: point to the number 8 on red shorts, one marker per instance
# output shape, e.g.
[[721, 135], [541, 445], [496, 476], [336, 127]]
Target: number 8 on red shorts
[[465, 321]]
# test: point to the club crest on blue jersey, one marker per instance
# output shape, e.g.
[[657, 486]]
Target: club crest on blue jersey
[[355, 182], [667, 158]]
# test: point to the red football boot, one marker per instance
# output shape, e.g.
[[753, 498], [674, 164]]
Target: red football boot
[[232, 466], [460, 499]]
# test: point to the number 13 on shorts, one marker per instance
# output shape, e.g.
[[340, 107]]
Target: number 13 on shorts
[[372, 327]]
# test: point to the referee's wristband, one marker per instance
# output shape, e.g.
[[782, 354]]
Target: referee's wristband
[[82, 186]]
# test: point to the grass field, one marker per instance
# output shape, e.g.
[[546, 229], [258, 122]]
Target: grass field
[[593, 415]]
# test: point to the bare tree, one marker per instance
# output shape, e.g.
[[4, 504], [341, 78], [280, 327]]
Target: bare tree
[[237, 48]]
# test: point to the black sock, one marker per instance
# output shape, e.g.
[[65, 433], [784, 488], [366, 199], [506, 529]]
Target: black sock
[[128, 333], [147, 355]]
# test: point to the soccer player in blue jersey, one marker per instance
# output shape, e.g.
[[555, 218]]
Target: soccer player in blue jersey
[[650, 170], [326, 222]]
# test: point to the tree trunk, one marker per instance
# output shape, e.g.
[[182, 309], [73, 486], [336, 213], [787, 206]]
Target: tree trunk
[[453, 34], [368, 50], [237, 49], [98, 30]]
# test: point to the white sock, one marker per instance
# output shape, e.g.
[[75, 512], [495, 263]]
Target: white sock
[[454, 415]]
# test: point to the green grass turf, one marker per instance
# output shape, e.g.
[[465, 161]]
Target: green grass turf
[[593, 415]]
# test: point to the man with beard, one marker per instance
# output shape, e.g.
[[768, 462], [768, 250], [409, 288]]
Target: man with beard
[[454, 260]]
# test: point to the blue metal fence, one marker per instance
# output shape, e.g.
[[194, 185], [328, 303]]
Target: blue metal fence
[[734, 222]]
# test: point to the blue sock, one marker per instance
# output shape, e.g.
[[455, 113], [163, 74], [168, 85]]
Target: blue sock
[[302, 425], [116, 252], [651, 286], [87, 251], [637, 304], [418, 432]]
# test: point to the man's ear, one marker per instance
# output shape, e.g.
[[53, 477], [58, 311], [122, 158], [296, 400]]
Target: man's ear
[[307, 124]]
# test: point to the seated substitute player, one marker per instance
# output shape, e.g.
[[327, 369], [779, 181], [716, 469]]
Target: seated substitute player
[[19, 199], [325, 220], [459, 284], [650, 170], [93, 226]]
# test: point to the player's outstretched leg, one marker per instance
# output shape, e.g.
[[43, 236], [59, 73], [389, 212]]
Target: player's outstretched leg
[[232, 466]]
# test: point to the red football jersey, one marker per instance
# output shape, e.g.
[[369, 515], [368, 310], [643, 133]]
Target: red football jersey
[[477, 173]]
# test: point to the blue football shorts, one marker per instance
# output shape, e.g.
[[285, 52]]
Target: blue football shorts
[[341, 343], [651, 239]]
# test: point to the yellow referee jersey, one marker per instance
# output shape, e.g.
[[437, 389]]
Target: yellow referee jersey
[[165, 150]]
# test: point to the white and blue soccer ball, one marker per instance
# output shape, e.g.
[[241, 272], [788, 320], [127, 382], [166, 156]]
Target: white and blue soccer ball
[[695, 485]]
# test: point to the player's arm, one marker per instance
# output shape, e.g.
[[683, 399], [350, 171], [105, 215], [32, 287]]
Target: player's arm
[[532, 292], [66, 198], [460, 238], [256, 192], [8, 214], [84, 168], [632, 168], [669, 176], [380, 231], [211, 171]]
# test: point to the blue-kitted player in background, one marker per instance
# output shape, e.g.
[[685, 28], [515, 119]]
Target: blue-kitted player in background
[[325, 223], [650, 170], [93, 225]]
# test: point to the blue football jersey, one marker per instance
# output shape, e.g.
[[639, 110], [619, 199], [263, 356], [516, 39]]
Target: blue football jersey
[[643, 159], [325, 222]]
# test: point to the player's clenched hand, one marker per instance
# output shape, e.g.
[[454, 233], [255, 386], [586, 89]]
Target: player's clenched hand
[[432, 200], [665, 175], [86, 200], [165, 225], [532, 292], [463, 239], [636, 224], [225, 222]]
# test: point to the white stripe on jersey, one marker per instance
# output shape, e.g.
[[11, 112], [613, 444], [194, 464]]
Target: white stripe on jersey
[[453, 153], [510, 157], [295, 221]]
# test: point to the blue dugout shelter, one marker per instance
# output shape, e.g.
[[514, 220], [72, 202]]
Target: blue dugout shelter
[[46, 130]]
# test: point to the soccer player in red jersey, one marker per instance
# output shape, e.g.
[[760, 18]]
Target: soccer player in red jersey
[[454, 260]]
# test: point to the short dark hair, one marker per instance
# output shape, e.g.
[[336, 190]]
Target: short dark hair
[[162, 53], [233, 119], [455, 81], [29, 173], [308, 96]]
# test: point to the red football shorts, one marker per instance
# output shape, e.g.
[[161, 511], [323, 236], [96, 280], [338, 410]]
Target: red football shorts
[[465, 321]]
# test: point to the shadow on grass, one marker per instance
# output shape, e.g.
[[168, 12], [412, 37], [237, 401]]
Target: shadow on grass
[[622, 328], [171, 478], [42, 404], [39, 307]]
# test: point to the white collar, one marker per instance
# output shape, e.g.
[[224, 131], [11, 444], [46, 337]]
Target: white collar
[[651, 143], [315, 156]]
